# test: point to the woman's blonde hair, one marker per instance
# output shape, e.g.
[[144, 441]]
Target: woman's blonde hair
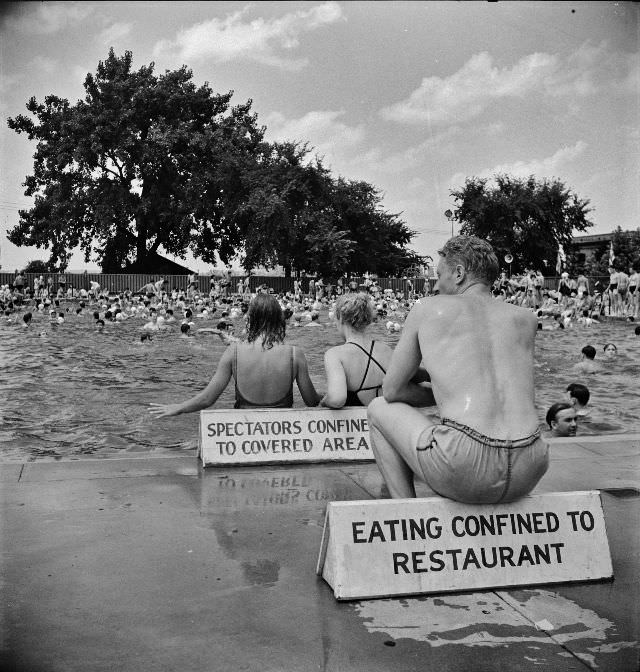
[[355, 309]]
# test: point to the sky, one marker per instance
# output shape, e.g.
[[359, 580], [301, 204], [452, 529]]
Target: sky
[[413, 97]]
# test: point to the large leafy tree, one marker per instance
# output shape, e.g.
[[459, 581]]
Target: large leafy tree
[[286, 206], [304, 219], [525, 217], [143, 161], [149, 162], [380, 238]]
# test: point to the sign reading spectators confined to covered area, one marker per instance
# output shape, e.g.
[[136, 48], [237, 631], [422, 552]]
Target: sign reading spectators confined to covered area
[[390, 547], [284, 435]]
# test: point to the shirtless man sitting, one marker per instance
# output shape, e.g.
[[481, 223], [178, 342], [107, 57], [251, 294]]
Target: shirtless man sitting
[[486, 448]]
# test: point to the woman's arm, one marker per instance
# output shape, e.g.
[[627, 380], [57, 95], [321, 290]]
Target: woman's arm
[[336, 395], [204, 399], [305, 384]]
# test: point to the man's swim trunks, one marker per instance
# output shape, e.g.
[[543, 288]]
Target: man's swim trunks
[[460, 463]]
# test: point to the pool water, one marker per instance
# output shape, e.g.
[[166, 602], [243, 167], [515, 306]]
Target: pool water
[[79, 392]]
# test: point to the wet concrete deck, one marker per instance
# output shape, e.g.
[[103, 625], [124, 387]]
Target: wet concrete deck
[[153, 564]]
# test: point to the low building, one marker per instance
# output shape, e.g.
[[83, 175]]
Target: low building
[[586, 247]]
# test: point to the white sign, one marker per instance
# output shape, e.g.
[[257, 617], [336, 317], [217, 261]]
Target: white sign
[[390, 547], [283, 435]]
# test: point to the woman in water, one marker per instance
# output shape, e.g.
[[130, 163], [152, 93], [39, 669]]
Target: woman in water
[[263, 367], [355, 369]]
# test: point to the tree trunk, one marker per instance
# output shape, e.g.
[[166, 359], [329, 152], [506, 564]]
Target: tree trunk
[[141, 239]]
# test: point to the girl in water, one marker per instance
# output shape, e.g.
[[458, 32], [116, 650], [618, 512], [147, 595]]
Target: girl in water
[[263, 367]]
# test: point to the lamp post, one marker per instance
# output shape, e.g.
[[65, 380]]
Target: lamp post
[[509, 258], [449, 215]]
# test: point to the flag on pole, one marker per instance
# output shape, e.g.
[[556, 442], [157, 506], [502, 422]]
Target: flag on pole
[[612, 256], [562, 257]]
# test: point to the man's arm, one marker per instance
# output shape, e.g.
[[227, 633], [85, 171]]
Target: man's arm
[[398, 384]]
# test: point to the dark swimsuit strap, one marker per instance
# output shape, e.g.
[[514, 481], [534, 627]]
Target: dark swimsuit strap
[[370, 358]]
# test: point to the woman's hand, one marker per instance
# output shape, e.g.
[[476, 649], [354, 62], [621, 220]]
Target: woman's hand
[[164, 410]]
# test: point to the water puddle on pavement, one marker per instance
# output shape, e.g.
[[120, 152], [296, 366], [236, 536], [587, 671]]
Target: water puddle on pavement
[[492, 620]]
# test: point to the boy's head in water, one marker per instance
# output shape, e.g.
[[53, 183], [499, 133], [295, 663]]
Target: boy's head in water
[[578, 396], [589, 352], [185, 329], [145, 337]]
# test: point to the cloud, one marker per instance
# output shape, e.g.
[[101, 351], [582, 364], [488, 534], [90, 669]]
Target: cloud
[[384, 164], [479, 83], [46, 18], [114, 32], [323, 129], [465, 94], [44, 64], [262, 40], [551, 166]]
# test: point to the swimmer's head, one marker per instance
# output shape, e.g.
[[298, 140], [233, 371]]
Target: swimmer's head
[[610, 350], [561, 418], [355, 309], [636, 331], [27, 317], [468, 259], [145, 337], [589, 352], [100, 324], [184, 328], [578, 392]]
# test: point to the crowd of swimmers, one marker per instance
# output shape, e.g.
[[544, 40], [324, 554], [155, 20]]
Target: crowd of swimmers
[[223, 311]]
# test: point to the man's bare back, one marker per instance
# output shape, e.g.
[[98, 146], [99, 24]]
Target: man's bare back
[[479, 354]]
